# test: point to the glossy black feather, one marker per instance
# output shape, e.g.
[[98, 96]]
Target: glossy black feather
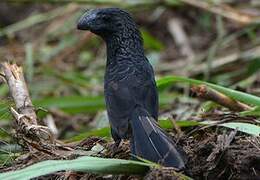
[[130, 88], [155, 145]]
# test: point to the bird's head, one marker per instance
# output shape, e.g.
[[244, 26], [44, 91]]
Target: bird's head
[[106, 21]]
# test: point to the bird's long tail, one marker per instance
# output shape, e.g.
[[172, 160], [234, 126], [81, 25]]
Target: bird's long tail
[[150, 142]]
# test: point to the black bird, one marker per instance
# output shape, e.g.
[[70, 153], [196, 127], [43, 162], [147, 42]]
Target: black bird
[[130, 89]]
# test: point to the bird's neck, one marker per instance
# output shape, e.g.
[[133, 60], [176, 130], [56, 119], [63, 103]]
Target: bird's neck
[[124, 46]]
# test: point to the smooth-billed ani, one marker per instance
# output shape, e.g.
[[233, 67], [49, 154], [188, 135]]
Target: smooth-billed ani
[[130, 88]]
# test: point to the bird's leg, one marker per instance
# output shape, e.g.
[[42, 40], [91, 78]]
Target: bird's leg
[[117, 140], [116, 145], [132, 147]]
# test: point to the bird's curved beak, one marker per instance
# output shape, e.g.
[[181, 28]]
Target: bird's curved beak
[[86, 20]]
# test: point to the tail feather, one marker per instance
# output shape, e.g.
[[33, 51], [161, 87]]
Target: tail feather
[[149, 141]]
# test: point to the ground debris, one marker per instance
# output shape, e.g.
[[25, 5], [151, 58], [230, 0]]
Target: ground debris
[[223, 142], [162, 174], [213, 156]]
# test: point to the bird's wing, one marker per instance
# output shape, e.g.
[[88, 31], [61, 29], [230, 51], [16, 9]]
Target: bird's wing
[[125, 92], [151, 98]]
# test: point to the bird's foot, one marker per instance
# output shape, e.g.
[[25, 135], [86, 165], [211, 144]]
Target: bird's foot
[[115, 147]]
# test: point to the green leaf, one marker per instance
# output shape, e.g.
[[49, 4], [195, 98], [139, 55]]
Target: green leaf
[[254, 112], [243, 127], [237, 95], [82, 164], [254, 66], [167, 124], [5, 159], [4, 109], [81, 104], [173, 2], [101, 132], [3, 90], [150, 42], [72, 104], [208, 106]]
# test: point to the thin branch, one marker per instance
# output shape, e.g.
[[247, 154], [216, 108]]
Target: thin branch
[[28, 132], [215, 96]]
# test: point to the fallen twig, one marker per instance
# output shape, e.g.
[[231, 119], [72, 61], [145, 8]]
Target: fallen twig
[[27, 129], [223, 142], [204, 92], [19, 92], [177, 127]]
